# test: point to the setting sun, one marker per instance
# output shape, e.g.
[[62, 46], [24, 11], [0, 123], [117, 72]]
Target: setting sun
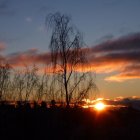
[[100, 106]]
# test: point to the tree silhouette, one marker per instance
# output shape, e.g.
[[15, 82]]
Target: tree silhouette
[[4, 78], [30, 81], [67, 56]]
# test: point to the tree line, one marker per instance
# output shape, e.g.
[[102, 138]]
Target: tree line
[[68, 81]]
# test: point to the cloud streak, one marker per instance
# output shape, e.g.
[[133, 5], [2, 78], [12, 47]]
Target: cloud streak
[[29, 57], [121, 56], [125, 43]]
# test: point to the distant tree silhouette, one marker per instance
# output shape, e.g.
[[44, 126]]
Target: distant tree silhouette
[[30, 81], [43, 105], [53, 103], [65, 84], [40, 88], [5, 70], [18, 84]]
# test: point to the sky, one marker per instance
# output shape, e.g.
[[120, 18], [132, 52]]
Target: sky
[[111, 29]]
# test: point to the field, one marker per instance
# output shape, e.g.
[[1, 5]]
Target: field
[[68, 124]]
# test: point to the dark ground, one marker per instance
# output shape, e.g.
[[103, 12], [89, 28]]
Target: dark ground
[[68, 124]]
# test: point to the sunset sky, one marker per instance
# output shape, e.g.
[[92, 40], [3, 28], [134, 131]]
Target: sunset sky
[[111, 30]]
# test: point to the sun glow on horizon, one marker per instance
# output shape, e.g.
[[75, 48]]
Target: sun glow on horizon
[[99, 106]]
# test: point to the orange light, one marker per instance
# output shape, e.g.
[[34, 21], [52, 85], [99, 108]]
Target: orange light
[[99, 106]]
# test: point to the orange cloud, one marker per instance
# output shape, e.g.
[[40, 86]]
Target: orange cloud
[[120, 55], [128, 73], [29, 57]]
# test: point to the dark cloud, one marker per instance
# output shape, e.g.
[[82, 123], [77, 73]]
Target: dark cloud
[[125, 43], [31, 56], [133, 102], [121, 55], [105, 38]]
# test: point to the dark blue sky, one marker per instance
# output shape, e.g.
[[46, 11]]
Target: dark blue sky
[[22, 22], [22, 27]]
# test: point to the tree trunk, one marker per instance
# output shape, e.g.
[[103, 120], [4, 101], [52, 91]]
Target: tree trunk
[[66, 90]]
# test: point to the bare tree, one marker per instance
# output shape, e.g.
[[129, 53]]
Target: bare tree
[[67, 55], [45, 86], [31, 79], [4, 78], [18, 84], [42, 86]]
